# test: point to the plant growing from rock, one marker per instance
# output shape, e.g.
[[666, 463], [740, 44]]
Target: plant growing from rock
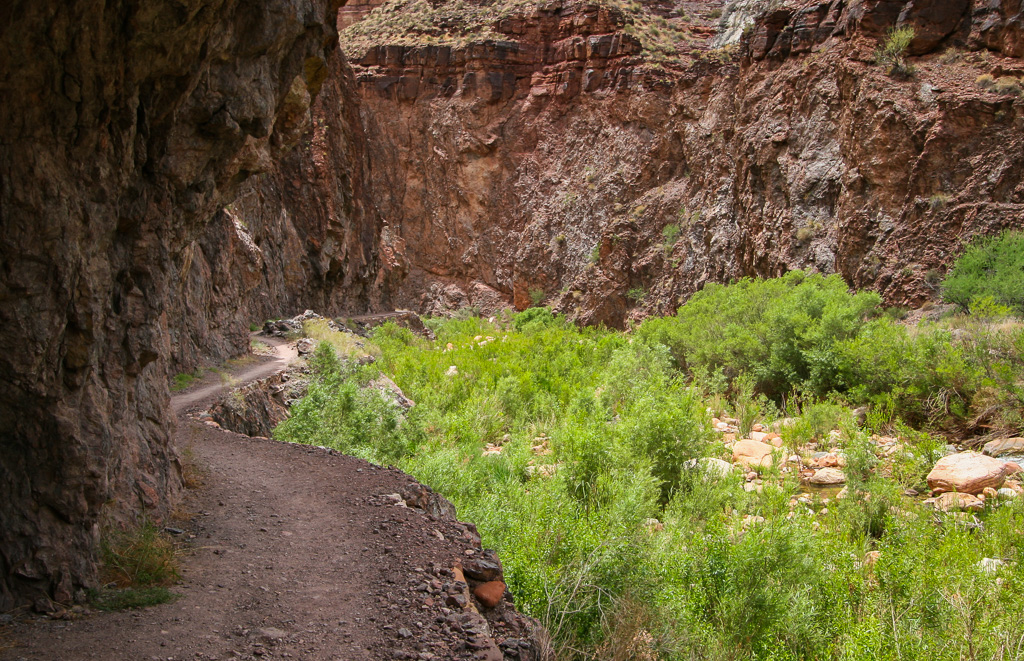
[[892, 54]]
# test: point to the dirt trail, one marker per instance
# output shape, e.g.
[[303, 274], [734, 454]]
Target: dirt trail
[[205, 392], [291, 552]]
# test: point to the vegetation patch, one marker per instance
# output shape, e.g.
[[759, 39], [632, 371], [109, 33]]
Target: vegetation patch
[[460, 23], [138, 563], [892, 53], [601, 466], [119, 599], [990, 272], [183, 380]]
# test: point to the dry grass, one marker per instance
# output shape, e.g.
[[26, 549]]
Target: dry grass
[[193, 473], [139, 556]]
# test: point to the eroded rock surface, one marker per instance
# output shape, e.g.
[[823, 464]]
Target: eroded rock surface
[[124, 128], [555, 161]]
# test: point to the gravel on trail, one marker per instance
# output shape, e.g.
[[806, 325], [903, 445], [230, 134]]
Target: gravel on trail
[[296, 552]]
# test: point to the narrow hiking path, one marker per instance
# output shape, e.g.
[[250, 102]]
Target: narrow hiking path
[[290, 552], [205, 392]]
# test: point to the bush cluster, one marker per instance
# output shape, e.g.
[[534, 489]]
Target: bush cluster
[[626, 548], [989, 273]]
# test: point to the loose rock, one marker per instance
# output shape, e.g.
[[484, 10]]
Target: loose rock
[[752, 453], [966, 472]]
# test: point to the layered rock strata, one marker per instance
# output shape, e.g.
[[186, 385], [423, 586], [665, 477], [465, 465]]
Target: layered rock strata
[[559, 164]]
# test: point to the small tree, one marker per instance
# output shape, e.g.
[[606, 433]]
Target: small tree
[[893, 53]]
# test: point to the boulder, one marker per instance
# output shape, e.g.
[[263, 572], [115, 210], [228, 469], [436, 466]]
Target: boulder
[[966, 472], [1004, 446], [951, 501], [828, 477], [752, 453], [711, 466], [489, 594]]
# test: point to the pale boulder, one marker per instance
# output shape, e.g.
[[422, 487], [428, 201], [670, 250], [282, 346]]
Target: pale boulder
[[752, 453], [951, 501], [1004, 446], [966, 472], [828, 477]]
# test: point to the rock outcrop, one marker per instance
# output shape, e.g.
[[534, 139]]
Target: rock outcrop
[[304, 234], [134, 123], [558, 162]]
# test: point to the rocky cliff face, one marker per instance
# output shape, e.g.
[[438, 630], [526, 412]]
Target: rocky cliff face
[[302, 235], [125, 127], [563, 161]]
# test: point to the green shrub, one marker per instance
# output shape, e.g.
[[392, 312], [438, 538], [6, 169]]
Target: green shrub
[[989, 267], [534, 319], [781, 331], [637, 294], [893, 53], [670, 233]]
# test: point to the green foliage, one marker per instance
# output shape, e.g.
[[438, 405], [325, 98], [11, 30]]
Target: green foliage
[[130, 598], [344, 409], [535, 319], [626, 548], [989, 273], [780, 331], [893, 53], [536, 297], [183, 380], [671, 233], [637, 294]]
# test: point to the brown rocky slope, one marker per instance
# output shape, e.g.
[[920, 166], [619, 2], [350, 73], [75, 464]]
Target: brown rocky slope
[[552, 161]]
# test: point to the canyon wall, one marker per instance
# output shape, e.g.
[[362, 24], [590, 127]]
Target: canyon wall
[[125, 127], [302, 235], [559, 163]]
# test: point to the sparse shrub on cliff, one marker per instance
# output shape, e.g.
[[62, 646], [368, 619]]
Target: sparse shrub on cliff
[[536, 297], [986, 81], [670, 233], [637, 294], [892, 54], [989, 267], [1008, 85]]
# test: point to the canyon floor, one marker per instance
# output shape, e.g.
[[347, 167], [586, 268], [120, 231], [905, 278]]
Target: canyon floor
[[290, 552]]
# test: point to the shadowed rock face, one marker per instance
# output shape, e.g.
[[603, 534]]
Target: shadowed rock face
[[125, 126]]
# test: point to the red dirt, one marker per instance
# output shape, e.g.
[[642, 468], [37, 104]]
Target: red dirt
[[291, 552]]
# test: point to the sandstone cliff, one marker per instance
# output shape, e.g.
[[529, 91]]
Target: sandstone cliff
[[564, 159], [125, 127]]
